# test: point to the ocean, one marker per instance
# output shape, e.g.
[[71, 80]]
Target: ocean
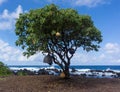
[[91, 67]]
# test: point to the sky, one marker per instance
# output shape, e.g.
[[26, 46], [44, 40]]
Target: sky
[[104, 13]]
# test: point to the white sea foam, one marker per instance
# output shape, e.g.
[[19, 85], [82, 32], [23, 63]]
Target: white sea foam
[[22, 68], [51, 67], [98, 74], [31, 68], [81, 69]]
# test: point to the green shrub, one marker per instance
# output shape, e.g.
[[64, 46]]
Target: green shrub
[[21, 73], [4, 70]]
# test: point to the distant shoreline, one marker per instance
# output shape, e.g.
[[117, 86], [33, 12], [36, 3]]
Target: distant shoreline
[[95, 67]]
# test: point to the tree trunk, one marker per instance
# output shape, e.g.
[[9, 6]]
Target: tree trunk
[[66, 72]]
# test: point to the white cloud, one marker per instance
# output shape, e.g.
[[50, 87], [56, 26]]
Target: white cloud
[[108, 54], [112, 48], [89, 3], [85, 58], [2, 1], [12, 15], [6, 25], [112, 53], [11, 54], [7, 19]]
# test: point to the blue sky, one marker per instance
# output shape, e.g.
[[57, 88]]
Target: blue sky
[[104, 13]]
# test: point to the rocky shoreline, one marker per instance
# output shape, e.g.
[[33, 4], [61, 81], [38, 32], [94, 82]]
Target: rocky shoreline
[[74, 72]]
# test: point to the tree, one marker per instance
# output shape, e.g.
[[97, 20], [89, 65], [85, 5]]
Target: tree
[[57, 32]]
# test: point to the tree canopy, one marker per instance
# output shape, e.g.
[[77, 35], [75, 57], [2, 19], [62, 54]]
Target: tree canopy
[[58, 32]]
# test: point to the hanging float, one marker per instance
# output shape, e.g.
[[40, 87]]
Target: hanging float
[[48, 59]]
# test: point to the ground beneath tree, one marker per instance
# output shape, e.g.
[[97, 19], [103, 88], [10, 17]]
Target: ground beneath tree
[[49, 83]]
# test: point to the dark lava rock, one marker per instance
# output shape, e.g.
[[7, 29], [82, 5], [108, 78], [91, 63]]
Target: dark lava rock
[[118, 74], [43, 72]]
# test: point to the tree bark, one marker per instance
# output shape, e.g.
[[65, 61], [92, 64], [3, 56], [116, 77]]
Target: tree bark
[[66, 71]]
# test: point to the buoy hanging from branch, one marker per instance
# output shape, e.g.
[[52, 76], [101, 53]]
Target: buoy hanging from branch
[[58, 34], [71, 51], [48, 59]]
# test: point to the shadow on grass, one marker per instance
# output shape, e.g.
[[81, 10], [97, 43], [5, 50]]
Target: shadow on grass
[[79, 82]]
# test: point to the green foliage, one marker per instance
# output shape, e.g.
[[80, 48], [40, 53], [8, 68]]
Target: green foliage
[[4, 70], [24, 72], [36, 31], [21, 73]]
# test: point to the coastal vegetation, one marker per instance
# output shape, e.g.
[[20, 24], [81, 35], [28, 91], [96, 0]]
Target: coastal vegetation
[[4, 70]]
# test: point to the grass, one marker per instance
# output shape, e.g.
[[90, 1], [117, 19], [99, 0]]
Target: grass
[[2, 79], [49, 83]]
